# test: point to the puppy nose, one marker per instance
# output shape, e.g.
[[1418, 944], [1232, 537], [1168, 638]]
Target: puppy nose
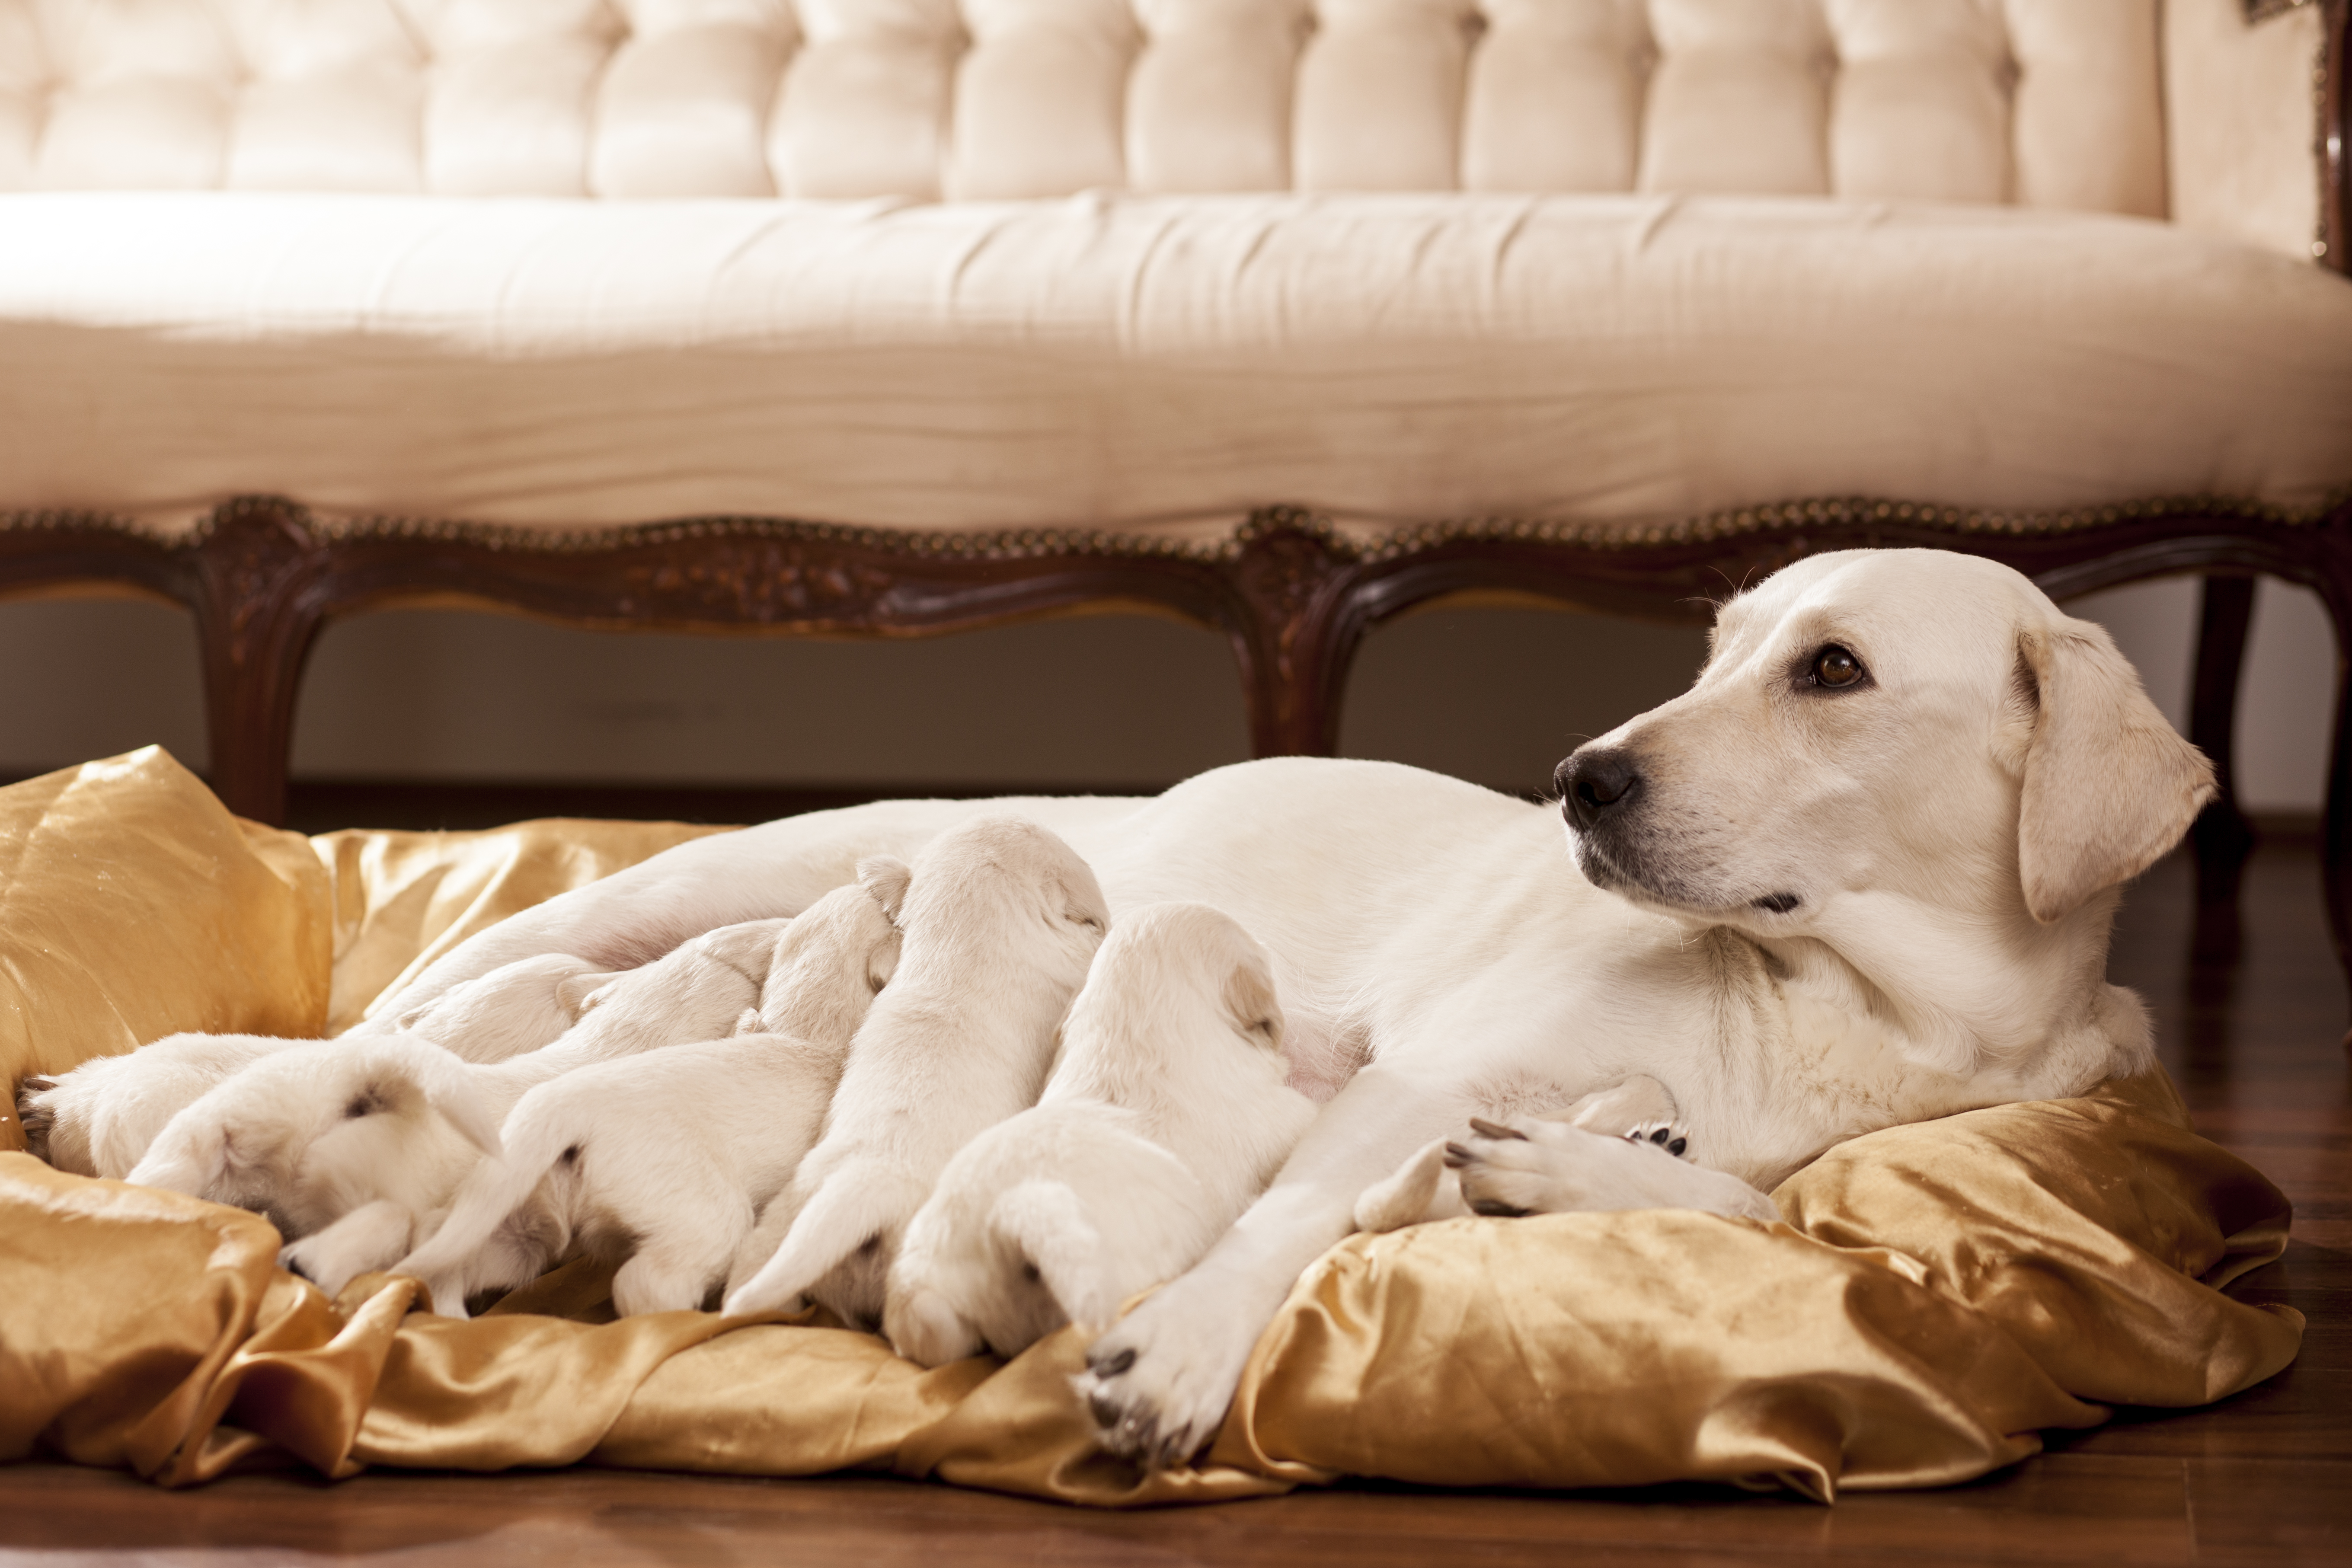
[[1589, 782]]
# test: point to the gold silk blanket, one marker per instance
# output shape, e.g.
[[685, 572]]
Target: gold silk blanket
[[1937, 1296]]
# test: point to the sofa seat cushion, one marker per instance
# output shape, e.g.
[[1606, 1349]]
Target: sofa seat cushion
[[1143, 362]]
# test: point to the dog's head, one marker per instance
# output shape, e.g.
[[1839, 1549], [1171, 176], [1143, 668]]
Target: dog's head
[[303, 1136], [828, 968], [1001, 884], [1878, 731], [1172, 982]]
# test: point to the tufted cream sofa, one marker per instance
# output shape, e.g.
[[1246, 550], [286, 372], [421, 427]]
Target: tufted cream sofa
[[1287, 315]]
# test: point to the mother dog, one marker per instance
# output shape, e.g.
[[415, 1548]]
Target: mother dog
[[1862, 873]]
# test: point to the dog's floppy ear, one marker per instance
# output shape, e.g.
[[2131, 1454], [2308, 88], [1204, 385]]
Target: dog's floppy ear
[[2110, 785], [444, 1081], [884, 879], [1251, 1002]]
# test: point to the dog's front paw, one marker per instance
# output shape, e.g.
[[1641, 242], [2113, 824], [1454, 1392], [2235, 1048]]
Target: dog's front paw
[[1506, 1168], [1158, 1384]]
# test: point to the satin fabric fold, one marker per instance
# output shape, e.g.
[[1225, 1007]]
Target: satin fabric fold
[[1938, 1295]]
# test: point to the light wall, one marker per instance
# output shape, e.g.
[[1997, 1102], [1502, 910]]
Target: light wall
[[1496, 696]]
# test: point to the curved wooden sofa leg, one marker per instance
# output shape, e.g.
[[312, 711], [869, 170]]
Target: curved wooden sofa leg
[[1293, 631], [259, 566], [2221, 836]]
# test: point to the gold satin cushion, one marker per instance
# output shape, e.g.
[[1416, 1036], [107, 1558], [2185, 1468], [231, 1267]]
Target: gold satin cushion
[[1939, 1294]]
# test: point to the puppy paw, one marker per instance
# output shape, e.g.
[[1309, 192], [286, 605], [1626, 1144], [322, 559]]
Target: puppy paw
[[1158, 1385]]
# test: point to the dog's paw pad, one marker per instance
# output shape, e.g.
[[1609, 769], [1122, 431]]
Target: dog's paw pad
[[1667, 1135]]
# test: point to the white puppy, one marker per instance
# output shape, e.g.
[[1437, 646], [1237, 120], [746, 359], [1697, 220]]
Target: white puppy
[[1001, 919], [1166, 1115], [361, 1134], [515, 1008], [100, 1119], [667, 1160]]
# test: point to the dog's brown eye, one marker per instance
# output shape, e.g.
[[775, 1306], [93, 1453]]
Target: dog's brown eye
[[1834, 666]]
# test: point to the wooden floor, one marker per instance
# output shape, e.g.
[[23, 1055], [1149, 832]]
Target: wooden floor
[[2251, 1023]]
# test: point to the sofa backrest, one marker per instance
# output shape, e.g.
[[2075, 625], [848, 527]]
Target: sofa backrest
[[2057, 103]]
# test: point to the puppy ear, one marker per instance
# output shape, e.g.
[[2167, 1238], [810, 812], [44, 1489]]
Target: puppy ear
[[884, 879], [444, 1082], [1251, 1002], [883, 962], [577, 994], [2110, 785]]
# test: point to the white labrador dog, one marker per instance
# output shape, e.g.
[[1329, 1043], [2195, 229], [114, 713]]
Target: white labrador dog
[[100, 1118], [1165, 1115], [344, 1143], [1863, 873], [1000, 919], [665, 1159]]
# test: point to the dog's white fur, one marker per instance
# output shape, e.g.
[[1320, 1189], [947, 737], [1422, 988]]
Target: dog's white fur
[[1165, 1115], [309, 1137], [514, 1009], [100, 1119], [1000, 919], [665, 1160], [1953, 830]]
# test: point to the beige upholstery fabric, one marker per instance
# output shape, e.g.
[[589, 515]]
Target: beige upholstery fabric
[[1138, 362], [2240, 103], [2048, 102]]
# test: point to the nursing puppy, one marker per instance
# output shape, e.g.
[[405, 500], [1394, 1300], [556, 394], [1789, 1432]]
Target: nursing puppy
[[375, 1130], [667, 1160], [1165, 1116], [100, 1119], [1000, 919]]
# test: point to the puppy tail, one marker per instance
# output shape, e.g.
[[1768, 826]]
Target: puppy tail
[[444, 1079], [858, 1201], [536, 1136], [1046, 1224]]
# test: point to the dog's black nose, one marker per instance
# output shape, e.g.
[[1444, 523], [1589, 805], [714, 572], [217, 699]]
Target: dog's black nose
[[1589, 782]]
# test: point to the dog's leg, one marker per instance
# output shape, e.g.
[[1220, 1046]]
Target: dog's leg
[[1533, 1166], [372, 1236], [1158, 1384]]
